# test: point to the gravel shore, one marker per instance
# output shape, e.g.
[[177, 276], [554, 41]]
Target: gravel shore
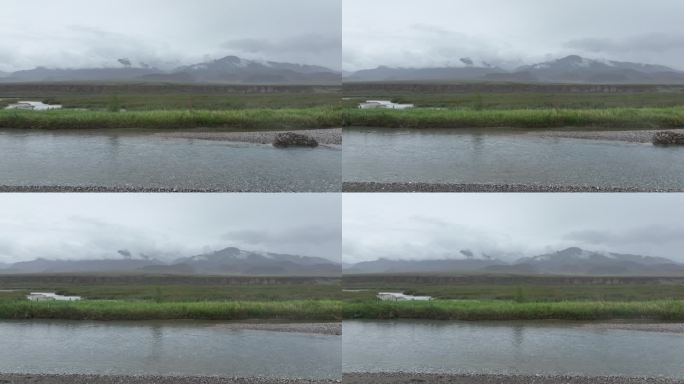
[[99, 189], [401, 378], [330, 136], [102, 379], [309, 328], [645, 327], [633, 136], [433, 187], [134, 188]]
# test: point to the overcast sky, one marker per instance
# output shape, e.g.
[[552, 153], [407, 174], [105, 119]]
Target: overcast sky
[[84, 226], [415, 33], [423, 226], [167, 33]]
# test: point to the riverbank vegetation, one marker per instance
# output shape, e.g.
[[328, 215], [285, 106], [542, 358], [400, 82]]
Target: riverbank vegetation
[[656, 310], [612, 118], [516, 105], [288, 310], [159, 297], [243, 119], [516, 297]]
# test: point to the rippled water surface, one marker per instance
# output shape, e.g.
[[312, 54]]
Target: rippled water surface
[[164, 348], [509, 348], [466, 156], [142, 160]]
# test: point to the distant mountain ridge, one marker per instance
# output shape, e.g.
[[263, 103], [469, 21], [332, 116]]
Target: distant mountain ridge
[[570, 261], [228, 261], [569, 69], [227, 70]]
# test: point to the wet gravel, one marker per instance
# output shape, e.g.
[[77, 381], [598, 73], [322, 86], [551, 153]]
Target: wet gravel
[[309, 328], [642, 327], [128, 188], [400, 378], [433, 187], [330, 136], [632, 136], [101, 379]]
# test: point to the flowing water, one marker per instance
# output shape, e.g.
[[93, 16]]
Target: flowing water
[[509, 348], [506, 157], [143, 160], [164, 348]]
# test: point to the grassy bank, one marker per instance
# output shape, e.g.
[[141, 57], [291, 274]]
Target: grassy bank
[[635, 118], [660, 310], [517, 287], [252, 119], [177, 288], [294, 310]]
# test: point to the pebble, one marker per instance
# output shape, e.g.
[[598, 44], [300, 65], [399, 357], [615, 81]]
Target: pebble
[[107, 379], [438, 378], [438, 187]]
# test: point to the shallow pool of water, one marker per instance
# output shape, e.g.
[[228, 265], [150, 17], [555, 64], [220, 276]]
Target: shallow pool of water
[[142, 160], [509, 348], [506, 157], [164, 348]]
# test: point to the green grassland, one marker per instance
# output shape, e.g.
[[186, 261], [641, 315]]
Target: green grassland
[[493, 96], [144, 297], [156, 97], [290, 310], [657, 310], [512, 297], [517, 287], [172, 106], [624, 118], [242, 119], [510, 105]]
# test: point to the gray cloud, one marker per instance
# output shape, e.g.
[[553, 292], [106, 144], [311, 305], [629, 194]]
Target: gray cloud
[[74, 226], [508, 226], [649, 42], [409, 33], [166, 33]]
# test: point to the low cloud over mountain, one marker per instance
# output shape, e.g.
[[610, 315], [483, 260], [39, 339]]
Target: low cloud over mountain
[[569, 261], [227, 70], [227, 261], [569, 69]]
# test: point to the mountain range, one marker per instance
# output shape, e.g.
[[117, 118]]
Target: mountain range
[[228, 261], [227, 70], [570, 261], [569, 69]]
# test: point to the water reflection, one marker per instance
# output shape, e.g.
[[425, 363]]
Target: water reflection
[[509, 347], [458, 156], [111, 160], [164, 348]]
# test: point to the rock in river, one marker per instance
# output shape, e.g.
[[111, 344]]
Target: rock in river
[[291, 139], [668, 138]]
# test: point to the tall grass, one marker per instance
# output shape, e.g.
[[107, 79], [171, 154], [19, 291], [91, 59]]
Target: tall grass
[[520, 118], [660, 310], [256, 119], [320, 310]]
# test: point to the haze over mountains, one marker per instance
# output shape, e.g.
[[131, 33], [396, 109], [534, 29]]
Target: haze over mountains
[[569, 69], [228, 261], [570, 261], [227, 70]]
